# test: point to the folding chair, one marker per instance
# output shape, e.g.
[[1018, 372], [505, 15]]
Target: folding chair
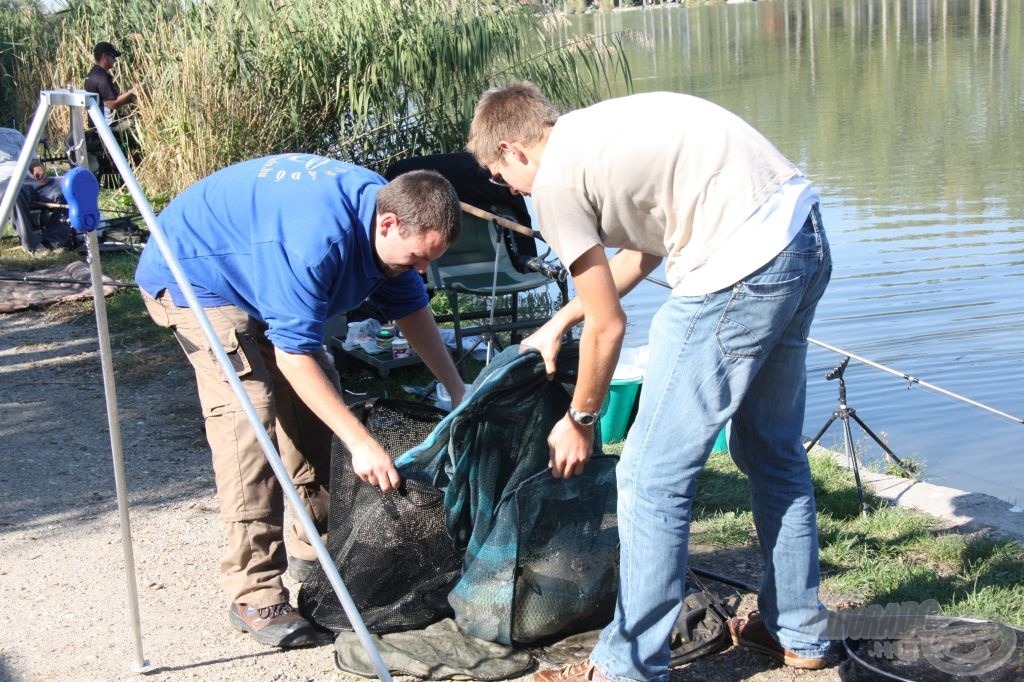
[[479, 266]]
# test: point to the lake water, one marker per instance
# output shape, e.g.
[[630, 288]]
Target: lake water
[[909, 116]]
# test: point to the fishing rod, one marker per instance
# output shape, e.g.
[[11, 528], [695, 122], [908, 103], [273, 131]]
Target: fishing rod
[[911, 380], [535, 263], [58, 280], [889, 370]]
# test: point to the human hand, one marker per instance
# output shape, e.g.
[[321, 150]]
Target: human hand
[[373, 465], [569, 447], [457, 393], [548, 341]]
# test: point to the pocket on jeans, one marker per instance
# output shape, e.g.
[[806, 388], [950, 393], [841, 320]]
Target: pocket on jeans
[[757, 311]]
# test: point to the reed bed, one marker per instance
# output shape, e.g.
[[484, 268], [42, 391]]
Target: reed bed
[[224, 80]]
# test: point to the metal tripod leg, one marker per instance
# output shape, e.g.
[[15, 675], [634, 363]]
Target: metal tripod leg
[[814, 441], [889, 454], [844, 415], [81, 99], [851, 456]]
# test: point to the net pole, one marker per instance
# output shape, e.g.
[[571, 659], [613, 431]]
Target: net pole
[[83, 196], [269, 450]]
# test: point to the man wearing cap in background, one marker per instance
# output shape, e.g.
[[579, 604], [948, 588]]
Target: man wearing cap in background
[[100, 82]]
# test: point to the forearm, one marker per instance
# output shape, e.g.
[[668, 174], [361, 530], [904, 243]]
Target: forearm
[[628, 268], [604, 322], [315, 389], [600, 345], [421, 330], [122, 99], [370, 462], [604, 326]]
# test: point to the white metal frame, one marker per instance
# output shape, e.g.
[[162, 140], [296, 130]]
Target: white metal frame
[[80, 100]]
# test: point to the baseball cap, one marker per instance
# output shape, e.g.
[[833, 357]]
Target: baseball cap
[[103, 48]]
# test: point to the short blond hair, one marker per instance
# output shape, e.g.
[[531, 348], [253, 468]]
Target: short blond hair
[[514, 113]]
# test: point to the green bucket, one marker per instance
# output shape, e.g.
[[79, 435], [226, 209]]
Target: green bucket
[[619, 408], [721, 443]]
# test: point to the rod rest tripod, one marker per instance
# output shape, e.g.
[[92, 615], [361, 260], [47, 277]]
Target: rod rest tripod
[[845, 413]]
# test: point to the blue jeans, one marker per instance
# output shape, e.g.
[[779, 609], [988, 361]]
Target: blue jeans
[[734, 354]]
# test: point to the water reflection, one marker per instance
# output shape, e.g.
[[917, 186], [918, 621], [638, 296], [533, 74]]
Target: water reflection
[[907, 115]]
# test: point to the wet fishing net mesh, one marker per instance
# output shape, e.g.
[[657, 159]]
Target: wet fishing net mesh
[[548, 567], [482, 530], [391, 549]]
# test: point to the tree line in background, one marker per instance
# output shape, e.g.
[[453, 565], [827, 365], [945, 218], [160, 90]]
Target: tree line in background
[[220, 81]]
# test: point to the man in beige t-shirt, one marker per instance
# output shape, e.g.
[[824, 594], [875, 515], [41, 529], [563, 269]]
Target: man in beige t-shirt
[[747, 259]]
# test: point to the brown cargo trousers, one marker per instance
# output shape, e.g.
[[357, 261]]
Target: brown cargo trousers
[[250, 497]]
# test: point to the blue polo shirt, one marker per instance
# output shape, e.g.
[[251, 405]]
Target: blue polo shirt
[[285, 238]]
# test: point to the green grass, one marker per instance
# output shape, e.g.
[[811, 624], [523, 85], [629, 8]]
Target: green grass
[[129, 323], [892, 555], [727, 529]]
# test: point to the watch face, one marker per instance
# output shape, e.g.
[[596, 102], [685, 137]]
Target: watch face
[[583, 418]]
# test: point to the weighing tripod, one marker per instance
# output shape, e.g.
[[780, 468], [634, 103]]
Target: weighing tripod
[[846, 413], [85, 215]]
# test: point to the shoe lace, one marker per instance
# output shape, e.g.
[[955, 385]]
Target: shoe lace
[[271, 612]]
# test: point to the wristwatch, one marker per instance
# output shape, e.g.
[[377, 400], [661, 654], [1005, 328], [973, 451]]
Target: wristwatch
[[583, 418]]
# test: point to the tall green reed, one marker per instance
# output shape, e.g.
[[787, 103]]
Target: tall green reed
[[25, 44], [368, 81]]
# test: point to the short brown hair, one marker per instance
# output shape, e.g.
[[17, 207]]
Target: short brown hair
[[514, 113], [423, 200]]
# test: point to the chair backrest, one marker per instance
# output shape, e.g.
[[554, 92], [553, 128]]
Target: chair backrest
[[468, 265], [475, 245]]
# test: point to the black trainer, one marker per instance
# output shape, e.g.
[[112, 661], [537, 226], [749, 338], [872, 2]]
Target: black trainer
[[279, 625]]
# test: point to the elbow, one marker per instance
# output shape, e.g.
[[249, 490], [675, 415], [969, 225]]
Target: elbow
[[617, 328], [610, 326]]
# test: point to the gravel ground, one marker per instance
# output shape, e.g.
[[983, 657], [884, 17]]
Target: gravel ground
[[62, 576]]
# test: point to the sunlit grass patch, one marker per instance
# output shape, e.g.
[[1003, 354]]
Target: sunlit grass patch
[[727, 529]]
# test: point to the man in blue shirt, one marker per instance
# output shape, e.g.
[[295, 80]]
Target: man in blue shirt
[[273, 247]]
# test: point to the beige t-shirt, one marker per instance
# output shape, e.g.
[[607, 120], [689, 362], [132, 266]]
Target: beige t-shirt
[[663, 173]]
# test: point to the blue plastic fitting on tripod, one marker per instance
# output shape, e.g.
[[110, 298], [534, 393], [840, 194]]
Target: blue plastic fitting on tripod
[[82, 192]]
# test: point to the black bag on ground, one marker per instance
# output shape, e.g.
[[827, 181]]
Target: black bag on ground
[[391, 549], [700, 630], [702, 627]]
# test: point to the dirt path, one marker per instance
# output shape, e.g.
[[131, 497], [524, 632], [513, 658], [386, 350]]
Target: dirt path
[[62, 579]]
